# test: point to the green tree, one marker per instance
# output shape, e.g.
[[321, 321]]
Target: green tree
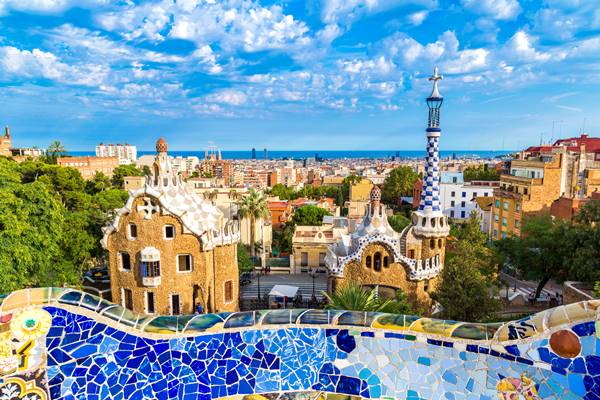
[[480, 173], [354, 297], [309, 215], [399, 182], [98, 183], [244, 261], [54, 151], [254, 206], [120, 172], [469, 279], [283, 192], [398, 222], [541, 253], [339, 198]]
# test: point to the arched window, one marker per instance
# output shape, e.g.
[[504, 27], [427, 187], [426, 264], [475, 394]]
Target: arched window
[[411, 253], [385, 262], [440, 243], [368, 261], [432, 243], [377, 262]]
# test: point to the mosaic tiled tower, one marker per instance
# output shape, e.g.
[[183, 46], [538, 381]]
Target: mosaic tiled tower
[[428, 220]]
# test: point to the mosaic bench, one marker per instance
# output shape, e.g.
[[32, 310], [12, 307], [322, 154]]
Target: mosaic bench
[[66, 344]]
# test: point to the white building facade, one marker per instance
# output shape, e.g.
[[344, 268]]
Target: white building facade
[[126, 153], [457, 197]]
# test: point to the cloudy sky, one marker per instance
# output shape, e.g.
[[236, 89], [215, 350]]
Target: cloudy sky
[[292, 74]]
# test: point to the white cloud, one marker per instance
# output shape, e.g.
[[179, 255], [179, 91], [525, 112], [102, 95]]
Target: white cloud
[[347, 11], [46, 6], [41, 64], [228, 96], [497, 9], [418, 17], [520, 47], [236, 24]]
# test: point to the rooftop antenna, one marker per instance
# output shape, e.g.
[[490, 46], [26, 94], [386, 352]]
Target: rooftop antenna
[[584, 122], [541, 138], [553, 123]]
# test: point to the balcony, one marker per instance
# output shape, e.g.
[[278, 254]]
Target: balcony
[[151, 281]]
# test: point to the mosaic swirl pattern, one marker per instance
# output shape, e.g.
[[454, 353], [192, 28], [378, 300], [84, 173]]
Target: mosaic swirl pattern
[[64, 344]]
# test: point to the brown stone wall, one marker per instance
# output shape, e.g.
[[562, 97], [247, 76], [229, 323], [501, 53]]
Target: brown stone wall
[[150, 233], [395, 275]]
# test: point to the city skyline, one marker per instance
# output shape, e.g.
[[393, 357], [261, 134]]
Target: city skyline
[[328, 75]]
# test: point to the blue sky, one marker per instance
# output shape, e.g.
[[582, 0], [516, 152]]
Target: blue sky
[[314, 74]]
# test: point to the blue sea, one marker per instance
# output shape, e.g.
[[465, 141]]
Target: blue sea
[[324, 154]]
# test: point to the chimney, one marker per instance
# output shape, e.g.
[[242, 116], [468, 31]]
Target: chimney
[[7, 131], [584, 135]]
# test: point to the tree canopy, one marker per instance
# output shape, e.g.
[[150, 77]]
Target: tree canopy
[[556, 249], [399, 182], [398, 222], [122, 171], [309, 215], [50, 223], [469, 278], [480, 173]]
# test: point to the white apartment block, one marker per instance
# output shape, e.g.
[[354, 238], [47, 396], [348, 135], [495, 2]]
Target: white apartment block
[[457, 197], [126, 153]]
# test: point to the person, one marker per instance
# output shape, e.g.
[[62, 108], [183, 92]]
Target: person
[[199, 309]]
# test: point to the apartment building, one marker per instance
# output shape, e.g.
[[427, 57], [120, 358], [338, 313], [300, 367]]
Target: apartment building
[[88, 166], [126, 153], [540, 175], [457, 197]]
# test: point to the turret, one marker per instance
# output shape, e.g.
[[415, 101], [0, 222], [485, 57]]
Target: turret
[[428, 220]]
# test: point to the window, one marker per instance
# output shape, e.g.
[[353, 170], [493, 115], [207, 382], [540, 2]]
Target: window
[[505, 206], [517, 207], [452, 203], [463, 204], [497, 203], [426, 286], [385, 262], [132, 231], [474, 194], [486, 194], [525, 191], [432, 243], [464, 194], [503, 235], [463, 214], [125, 261], [184, 262], [411, 253], [452, 214], [440, 243], [322, 259], [452, 194], [495, 233], [228, 291], [175, 306], [377, 262], [127, 299], [496, 218], [368, 261], [304, 259], [504, 221], [169, 231], [150, 309], [150, 269]]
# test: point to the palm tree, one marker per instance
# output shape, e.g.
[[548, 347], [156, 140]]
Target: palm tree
[[253, 206], [354, 297], [55, 150]]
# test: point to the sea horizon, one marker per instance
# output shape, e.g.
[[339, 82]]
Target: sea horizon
[[322, 154]]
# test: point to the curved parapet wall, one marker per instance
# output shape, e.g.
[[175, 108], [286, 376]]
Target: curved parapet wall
[[65, 344]]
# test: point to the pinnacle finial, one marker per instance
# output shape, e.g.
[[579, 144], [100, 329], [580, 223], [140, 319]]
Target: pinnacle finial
[[435, 78]]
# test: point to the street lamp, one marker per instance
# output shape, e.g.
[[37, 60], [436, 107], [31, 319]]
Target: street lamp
[[313, 275]]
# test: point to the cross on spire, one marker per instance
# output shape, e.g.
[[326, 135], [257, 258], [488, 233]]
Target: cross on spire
[[435, 78]]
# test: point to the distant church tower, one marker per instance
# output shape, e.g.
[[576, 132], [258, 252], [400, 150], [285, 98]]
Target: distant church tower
[[5, 143], [428, 220]]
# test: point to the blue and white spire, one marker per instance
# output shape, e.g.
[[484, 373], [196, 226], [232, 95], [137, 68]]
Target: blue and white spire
[[429, 219], [430, 195]]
